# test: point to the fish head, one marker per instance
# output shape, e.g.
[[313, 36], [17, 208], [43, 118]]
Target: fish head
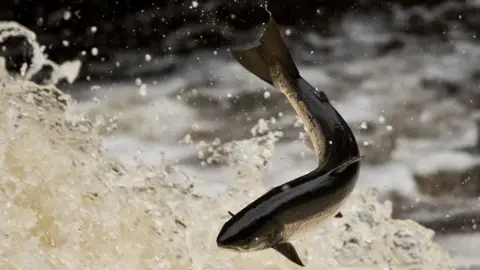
[[239, 235]]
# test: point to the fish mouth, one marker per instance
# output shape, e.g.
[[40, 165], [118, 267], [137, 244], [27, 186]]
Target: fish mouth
[[225, 245], [223, 241], [241, 246]]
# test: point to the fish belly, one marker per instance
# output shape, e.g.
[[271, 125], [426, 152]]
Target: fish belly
[[303, 226]]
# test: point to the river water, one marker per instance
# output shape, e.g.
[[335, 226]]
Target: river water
[[416, 128], [413, 110]]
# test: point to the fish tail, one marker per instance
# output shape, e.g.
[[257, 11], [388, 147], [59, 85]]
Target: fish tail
[[271, 50]]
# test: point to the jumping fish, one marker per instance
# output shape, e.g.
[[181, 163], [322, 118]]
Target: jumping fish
[[299, 206]]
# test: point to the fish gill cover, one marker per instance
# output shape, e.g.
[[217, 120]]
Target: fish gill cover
[[65, 204]]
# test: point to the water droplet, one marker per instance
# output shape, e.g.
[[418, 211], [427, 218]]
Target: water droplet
[[364, 125], [266, 94], [381, 119], [95, 88], [143, 90], [67, 15]]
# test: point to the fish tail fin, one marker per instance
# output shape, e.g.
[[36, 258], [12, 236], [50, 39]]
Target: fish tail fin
[[270, 50]]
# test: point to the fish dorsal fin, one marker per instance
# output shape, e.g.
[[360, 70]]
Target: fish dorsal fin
[[287, 250], [339, 215], [345, 164], [270, 47], [321, 96]]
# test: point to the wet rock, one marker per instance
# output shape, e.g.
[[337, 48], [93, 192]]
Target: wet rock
[[466, 91], [462, 184], [475, 149], [443, 214], [443, 87], [472, 97], [454, 174], [449, 192], [425, 118], [390, 45]]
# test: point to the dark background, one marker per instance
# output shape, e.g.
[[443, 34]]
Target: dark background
[[163, 28]]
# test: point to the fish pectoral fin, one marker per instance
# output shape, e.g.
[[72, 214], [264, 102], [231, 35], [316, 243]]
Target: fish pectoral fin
[[287, 250], [339, 215], [231, 214], [308, 142], [345, 165]]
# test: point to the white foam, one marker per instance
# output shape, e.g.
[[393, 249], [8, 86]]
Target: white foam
[[65, 204], [462, 247], [444, 160], [68, 69]]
